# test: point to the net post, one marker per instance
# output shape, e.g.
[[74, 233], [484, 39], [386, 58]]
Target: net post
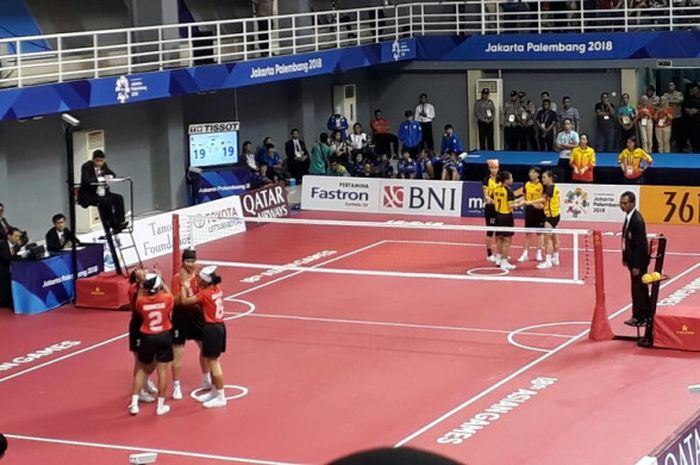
[[176, 242], [600, 325]]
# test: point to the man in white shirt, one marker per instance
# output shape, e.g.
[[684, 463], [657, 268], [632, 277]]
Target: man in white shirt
[[566, 141], [425, 114]]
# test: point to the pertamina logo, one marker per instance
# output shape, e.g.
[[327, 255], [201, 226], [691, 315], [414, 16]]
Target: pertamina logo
[[393, 196], [685, 331]]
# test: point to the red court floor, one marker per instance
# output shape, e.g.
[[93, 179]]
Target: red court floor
[[331, 363]]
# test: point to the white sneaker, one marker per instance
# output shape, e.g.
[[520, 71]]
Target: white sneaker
[[507, 266], [492, 258], [555, 261], [544, 265], [523, 258], [151, 387], [134, 409], [177, 392], [162, 410], [146, 397], [215, 402], [206, 397], [539, 256]]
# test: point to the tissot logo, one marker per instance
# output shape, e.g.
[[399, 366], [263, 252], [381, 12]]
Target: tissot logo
[[393, 196]]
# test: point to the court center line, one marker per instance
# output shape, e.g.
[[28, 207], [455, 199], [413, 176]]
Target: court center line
[[222, 458], [525, 368], [400, 325]]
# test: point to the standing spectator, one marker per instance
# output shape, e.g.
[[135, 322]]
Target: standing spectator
[[567, 111], [340, 149], [605, 112], [567, 140], [527, 135], [358, 141], [691, 115], [630, 161], [582, 161], [297, 156], [320, 153], [511, 127], [425, 114], [635, 256], [651, 95], [4, 225], [410, 134], [338, 122], [626, 118], [263, 8], [9, 245], [450, 141], [545, 96], [663, 119], [485, 112], [384, 140], [645, 123], [546, 123], [407, 168], [675, 102]]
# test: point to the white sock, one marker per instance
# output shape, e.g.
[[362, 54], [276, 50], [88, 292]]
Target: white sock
[[176, 384], [548, 259], [220, 394], [206, 379], [161, 402], [556, 255], [134, 399]]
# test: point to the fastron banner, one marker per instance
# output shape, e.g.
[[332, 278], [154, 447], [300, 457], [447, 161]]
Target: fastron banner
[[340, 194]]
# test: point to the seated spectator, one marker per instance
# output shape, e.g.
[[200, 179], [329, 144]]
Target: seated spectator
[[320, 154], [248, 156], [382, 168], [645, 122], [4, 225], [338, 122], [631, 161], [407, 166], [566, 141], [336, 169], [425, 166], [340, 149], [261, 151], [9, 249], [663, 120], [450, 141], [59, 237], [297, 156], [384, 140], [273, 160], [626, 118], [366, 171], [259, 178], [358, 163], [359, 141], [452, 169], [546, 120], [582, 161]]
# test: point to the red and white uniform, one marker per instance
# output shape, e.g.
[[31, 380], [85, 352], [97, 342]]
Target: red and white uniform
[[157, 312], [212, 301]]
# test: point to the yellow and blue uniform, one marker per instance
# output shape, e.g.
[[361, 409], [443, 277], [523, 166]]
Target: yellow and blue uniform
[[552, 206], [489, 184], [502, 195], [534, 217]]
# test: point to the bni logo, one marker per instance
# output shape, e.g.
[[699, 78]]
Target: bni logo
[[393, 196]]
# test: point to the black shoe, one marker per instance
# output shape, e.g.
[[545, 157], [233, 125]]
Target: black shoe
[[632, 322], [642, 322], [116, 229]]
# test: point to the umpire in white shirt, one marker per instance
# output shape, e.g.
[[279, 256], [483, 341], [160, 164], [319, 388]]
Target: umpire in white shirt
[[425, 114]]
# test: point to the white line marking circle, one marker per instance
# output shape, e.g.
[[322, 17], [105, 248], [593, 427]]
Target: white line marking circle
[[243, 391], [250, 305], [490, 271], [512, 334]]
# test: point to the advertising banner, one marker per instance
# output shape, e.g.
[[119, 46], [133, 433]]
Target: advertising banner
[[340, 194], [216, 184], [473, 200], [670, 205], [593, 202], [267, 202], [420, 197]]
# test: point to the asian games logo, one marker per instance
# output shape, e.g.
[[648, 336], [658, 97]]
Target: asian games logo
[[393, 197], [126, 88], [577, 202], [396, 50]]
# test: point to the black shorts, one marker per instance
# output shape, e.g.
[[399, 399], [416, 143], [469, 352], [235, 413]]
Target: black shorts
[[214, 340], [534, 217], [156, 348], [504, 220], [187, 324], [553, 220], [490, 218], [135, 332]]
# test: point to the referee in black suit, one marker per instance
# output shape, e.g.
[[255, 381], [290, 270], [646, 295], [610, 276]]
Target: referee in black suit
[[635, 256], [109, 204]]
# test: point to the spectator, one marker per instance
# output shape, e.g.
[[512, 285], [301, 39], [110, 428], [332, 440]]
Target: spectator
[[410, 134], [675, 102], [663, 119], [651, 95], [358, 141], [626, 118], [297, 156], [407, 166], [605, 112], [452, 170], [263, 8], [425, 166], [485, 112], [527, 135], [383, 168], [582, 161], [450, 141], [9, 248], [4, 225], [691, 115], [425, 114], [567, 140], [608, 21], [631, 160], [645, 123], [339, 148], [259, 178], [273, 160], [109, 204], [320, 154], [248, 156], [366, 171], [545, 96], [384, 140], [336, 169], [338, 122], [261, 151], [358, 163], [511, 127], [59, 237], [546, 123], [567, 111]]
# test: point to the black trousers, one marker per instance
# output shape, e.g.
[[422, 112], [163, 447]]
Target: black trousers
[[6, 291], [528, 138], [485, 135], [546, 141], [263, 36], [512, 136], [385, 144], [427, 130], [111, 208], [641, 305]]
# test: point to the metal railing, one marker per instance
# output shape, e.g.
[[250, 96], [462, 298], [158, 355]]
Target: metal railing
[[95, 54]]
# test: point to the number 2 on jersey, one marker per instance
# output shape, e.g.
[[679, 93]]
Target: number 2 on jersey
[[155, 323]]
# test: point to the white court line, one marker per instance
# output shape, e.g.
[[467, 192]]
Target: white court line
[[222, 458], [524, 330], [400, 325], [478, 244], [523, 369]]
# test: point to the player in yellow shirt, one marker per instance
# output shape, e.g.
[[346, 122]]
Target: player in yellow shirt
[[582, 161], [631, 160], [489, 184], [551, 201], [534, 212], [504, 202]]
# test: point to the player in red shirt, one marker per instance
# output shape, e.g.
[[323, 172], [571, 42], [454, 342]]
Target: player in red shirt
[[210, 298], [154, 303], [135, 280], [188, 322]]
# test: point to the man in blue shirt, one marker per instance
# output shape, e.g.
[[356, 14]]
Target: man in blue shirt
[[407, 167], [410, 134], [338, 122], [273, 161], [627, 117], [450, 141]]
